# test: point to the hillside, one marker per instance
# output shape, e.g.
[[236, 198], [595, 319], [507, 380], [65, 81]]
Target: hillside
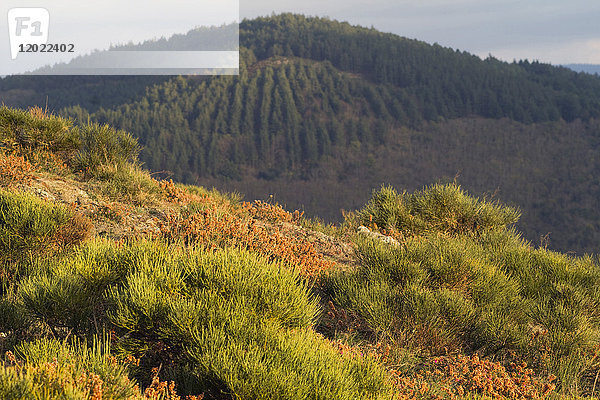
[[324, 112], [119, 286]]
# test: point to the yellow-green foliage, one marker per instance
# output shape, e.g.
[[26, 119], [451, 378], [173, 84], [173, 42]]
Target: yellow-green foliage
[[48, 369], [491, 292], [225, 321], [110, 156], [435, 209], [84, 148], [127, 183], [30, 227], [35, 130], [102, 145], [94, 151]]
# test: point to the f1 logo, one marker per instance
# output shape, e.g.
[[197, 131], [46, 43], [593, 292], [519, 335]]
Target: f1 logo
[[27, 26]]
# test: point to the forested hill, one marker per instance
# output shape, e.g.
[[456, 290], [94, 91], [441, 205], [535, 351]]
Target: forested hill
[[443, 82], [324, 111]]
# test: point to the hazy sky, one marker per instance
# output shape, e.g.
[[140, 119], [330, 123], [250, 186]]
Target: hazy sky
[[555, 31], [96, 25]]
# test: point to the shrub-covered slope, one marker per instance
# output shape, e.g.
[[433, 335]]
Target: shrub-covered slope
[[119, 286], [210, 298], [462, 278]]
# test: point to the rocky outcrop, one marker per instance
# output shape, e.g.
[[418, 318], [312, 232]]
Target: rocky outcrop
[[363, 230]]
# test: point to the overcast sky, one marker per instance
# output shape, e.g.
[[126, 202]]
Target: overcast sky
[[96, 25], [555, 31]]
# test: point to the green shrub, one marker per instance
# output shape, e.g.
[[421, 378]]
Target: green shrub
[[102, 146], [435, 209], [13, 317], [225, 321], [434, 285], [110, 157], [30, 228], [61, 300], [127, 183], [493, 293], [261, 361]]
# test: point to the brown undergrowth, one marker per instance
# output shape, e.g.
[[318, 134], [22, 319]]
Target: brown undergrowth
[[217, 224], [453, 377], [15, 170], [163, 390]]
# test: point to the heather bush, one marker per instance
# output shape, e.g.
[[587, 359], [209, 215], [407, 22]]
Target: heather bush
[[459, 376], [218, 224], [14, 171]]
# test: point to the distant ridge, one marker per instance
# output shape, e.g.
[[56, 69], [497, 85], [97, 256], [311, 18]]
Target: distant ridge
[[587, 68]]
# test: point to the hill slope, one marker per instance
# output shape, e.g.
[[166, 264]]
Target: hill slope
[[323, 112], [112, 281]]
